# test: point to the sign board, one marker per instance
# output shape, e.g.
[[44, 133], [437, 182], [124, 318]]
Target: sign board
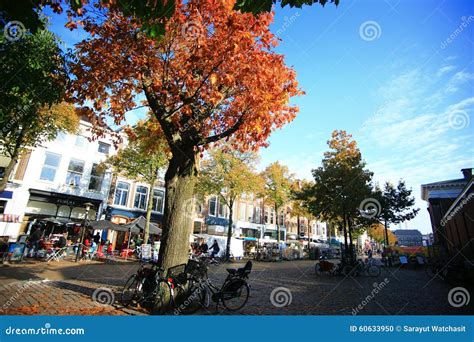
[[146, 252]]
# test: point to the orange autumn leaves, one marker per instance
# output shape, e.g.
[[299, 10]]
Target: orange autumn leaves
[[213, 75]]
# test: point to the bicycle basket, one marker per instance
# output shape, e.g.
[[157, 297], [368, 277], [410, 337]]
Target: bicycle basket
[[196, 268], [177, 273]]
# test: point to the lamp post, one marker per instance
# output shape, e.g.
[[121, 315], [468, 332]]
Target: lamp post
[[87, 207]]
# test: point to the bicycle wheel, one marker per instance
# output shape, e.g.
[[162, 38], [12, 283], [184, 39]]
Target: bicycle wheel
[[191, 299], [130, 291], [235, 294], [161, 298], [317, 269], [373, 271]]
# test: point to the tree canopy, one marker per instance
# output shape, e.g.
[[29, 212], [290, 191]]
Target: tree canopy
[[32, 110]]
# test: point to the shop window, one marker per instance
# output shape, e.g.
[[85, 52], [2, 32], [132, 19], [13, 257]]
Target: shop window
[[104, 148], [140, 197], [50, 166], [121, 193], [97, 176], [158, 200], [74, 172], [3, 204]]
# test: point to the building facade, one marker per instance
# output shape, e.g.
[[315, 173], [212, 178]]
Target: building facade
[[57, 180]]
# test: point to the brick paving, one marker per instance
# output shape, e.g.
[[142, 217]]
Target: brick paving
[[66, 288]]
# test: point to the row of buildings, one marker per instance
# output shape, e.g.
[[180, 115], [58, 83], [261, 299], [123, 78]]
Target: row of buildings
[[57, 181]]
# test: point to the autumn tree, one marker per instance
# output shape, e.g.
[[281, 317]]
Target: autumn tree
[[341, 184], [213, 76], [229, 174], [395, 205], [276, 192], [142, 159], [33, 77], [377, 232]]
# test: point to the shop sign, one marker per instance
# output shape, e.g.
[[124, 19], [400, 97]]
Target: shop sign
[[10, 218]]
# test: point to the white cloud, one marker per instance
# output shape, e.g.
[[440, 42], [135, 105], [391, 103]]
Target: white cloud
[[458, 80], [444, 70], [409, 136]]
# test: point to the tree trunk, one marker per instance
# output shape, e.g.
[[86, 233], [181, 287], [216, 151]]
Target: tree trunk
[[180, 179], [278, 226], [8, 172], [149, 208], [229, 230], [351, 245], [387, 242], [345, 237]]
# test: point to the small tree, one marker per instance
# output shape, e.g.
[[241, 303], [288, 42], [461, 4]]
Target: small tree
[[340, 185], [33, 78], [377, 232], [141, 160], [277, 189], [230, 174], [395, 203]]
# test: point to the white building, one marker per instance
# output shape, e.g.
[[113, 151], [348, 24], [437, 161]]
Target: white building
[[57, 180]]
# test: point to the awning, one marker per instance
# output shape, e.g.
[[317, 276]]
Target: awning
[[56, 220], [140, 223], [106, 225]]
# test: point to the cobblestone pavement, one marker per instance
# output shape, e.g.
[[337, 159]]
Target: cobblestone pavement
[[278, 288]]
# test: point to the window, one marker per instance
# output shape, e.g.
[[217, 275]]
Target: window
[[104, 148], [281, 219], [266, 215], [213, 206], [97, 176], [221, 207], [74, 172], [140, 197], [121, 193], [2, 172], [61, 137], [50, 166], [272, 215], [158, 200], [257, 217], [81, 141], [3, 204]]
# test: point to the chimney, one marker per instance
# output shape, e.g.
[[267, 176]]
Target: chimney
[[467, 173]]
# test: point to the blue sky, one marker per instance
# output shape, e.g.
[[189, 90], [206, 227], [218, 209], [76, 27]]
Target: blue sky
[[397, 75]]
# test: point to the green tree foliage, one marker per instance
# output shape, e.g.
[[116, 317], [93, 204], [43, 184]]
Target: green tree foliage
[[277, 185], [152, 14], [229, 174], [33, 78], [395, 205], [340, 185], [141, 160]]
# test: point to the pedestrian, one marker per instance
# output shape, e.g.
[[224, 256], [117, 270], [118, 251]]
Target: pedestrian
[[215, 249], [34, 239]]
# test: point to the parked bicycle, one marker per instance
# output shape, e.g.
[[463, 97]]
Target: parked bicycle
[[233, 293]]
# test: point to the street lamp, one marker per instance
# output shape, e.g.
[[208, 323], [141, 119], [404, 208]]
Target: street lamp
[[87, 207]]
